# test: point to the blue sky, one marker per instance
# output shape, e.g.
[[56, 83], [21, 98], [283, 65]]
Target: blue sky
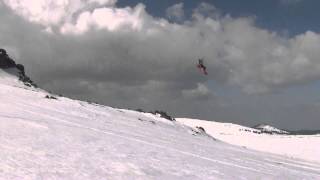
[[288, 17]]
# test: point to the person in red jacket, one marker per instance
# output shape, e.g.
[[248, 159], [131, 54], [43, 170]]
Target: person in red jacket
[[201, 67]]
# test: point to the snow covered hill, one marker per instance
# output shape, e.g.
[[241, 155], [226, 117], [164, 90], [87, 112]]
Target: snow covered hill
[[296, 146], [43, 136], [265, 128]]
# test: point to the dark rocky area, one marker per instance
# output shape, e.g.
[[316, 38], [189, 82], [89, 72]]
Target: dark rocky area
[[162, 114], [7, 64], [50, 97]]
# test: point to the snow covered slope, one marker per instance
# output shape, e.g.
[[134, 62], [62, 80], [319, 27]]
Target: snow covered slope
[[298, 146], [265, 128], [47, 138]]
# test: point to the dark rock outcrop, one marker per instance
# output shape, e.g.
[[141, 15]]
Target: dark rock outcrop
[[7, 64], [5, 60], [164, 115], [50, 97]]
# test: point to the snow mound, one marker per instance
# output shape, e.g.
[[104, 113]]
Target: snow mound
[[264, 128]]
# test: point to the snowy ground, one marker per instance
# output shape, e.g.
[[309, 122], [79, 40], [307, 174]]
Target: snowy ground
[[43, 138], [297, 146]]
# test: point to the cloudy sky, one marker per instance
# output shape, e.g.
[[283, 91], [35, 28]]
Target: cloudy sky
[[263, 57]]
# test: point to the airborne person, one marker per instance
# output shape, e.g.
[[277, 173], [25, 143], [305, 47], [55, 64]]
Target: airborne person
[[201, 67]]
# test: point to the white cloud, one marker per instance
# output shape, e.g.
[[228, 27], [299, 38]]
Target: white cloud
[[176, 12], [200, 92], [107, 18], [104, 2], [52, 12], [236, 51], [45, 12], [206, 10]]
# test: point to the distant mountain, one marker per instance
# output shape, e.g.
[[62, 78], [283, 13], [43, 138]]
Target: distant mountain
[[305, 132], [265, 128]]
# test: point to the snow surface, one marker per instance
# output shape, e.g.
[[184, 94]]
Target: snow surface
[[43, 138], [297, 146]]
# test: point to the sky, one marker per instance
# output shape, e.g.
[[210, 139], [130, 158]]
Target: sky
[[262, 56]]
